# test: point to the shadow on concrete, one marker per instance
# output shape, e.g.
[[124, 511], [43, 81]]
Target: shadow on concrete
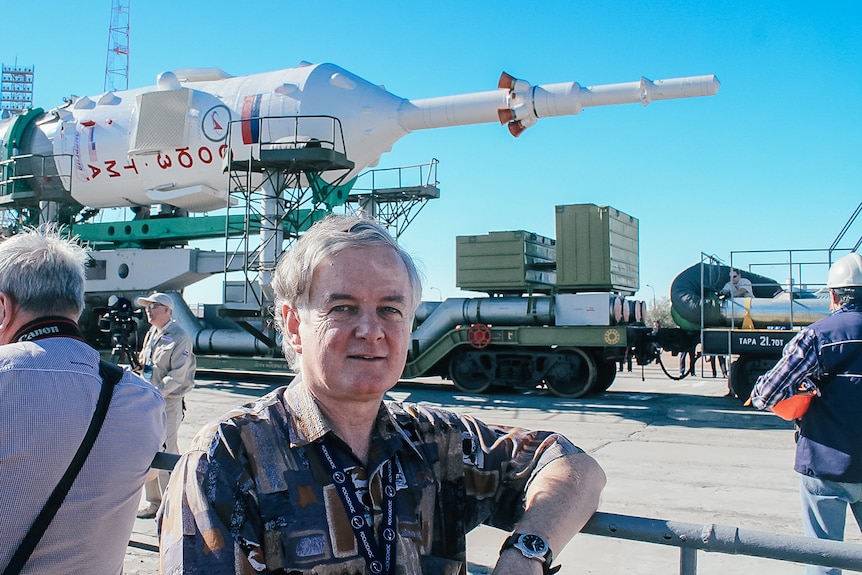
[[244, 387], [651, 408], [657, 409]]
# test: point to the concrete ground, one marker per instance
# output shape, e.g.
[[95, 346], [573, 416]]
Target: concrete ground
[[674, 450]]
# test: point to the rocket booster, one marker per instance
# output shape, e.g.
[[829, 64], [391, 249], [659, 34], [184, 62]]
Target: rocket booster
[[168, 143]]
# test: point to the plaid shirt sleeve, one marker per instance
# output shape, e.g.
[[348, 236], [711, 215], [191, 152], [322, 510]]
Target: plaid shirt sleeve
[[798, 367]]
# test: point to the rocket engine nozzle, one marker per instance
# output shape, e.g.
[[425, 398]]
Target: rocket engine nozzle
[[506, 81], [520, 113]]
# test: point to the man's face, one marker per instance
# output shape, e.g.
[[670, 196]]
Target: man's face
[[158, 314], [734, 277], [353, 339]]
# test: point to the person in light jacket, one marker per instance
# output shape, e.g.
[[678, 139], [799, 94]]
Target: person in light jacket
[[168, 362]]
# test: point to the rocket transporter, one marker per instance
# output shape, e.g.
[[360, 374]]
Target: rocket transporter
[[285, 148]]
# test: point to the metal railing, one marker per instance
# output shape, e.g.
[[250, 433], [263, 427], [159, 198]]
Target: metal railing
[[689, 537], [416, 175]]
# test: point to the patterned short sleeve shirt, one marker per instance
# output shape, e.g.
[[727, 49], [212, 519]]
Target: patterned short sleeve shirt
[[253, 496]]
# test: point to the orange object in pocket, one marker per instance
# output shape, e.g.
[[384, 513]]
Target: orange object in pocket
[[793, 407]]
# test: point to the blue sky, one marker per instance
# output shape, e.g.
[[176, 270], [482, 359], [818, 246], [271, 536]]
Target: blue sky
[[771, 162]]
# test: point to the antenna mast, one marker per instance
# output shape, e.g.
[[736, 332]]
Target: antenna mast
[[117, 65]]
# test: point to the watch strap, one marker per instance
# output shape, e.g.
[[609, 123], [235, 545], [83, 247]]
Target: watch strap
[[545, 560]]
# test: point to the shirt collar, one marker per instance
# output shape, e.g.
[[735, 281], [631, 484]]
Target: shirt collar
[[165, 328], [845, 308], [309, 424]]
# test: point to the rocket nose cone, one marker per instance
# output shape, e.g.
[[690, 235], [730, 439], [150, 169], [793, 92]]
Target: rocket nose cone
[[715, 85]]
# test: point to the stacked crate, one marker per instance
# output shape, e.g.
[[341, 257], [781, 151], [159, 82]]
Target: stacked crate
[[596, 250], [505, 262]]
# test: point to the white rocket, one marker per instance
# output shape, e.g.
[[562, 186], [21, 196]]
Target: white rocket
[[170, 143], [178, 142]]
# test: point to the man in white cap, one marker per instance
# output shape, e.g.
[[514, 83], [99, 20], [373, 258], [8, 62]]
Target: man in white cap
[[168, 362], [825, 359]]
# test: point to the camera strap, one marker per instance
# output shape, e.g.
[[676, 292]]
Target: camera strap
[[49, 326], [110, 374]]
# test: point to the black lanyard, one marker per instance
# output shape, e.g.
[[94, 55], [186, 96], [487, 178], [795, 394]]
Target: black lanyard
[[379, 561]]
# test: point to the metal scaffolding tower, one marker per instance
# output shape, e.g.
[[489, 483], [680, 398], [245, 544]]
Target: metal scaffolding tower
[[117, 64]]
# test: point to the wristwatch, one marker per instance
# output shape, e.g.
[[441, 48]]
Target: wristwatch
[[532, 546]]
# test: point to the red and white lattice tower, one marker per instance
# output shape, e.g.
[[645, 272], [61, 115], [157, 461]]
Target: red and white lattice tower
[[117, 66]]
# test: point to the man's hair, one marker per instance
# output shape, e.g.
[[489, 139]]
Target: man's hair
[[330, 236], [43, 272], [848, 296]]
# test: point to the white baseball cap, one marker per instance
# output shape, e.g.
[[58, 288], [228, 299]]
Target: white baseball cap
[[156, 297]]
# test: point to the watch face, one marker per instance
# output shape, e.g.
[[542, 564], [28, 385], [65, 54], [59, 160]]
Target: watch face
[[532, 544]]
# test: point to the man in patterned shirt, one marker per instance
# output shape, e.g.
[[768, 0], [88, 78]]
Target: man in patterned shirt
[[826, 359], [325, 477]]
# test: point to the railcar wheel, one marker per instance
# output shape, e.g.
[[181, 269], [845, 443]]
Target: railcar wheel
[[573, 373], [740, 378], [467, 372], [606, 373]]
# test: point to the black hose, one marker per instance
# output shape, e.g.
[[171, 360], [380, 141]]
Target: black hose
[[696, 357], [687, 295]]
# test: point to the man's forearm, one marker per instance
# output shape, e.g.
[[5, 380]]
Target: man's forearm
[[559, 502]]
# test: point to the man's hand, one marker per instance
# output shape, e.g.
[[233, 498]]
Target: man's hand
[[513, 562]]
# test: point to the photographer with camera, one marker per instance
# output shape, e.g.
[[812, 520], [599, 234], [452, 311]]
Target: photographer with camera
[[167, 361]]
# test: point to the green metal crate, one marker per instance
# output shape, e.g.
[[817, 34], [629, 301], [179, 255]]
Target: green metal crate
[[504, 262], [597, 249]]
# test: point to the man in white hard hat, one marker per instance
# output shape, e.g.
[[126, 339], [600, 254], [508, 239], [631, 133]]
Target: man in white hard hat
[[826, 359], [168, 362]]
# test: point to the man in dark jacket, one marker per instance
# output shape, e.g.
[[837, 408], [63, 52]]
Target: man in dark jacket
[[826, 359]]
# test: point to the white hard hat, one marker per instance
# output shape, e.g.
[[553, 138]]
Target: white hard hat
[[846, 272]]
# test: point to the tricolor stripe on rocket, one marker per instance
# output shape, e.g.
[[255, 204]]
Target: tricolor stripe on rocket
[[94, 157], [251, 128]]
